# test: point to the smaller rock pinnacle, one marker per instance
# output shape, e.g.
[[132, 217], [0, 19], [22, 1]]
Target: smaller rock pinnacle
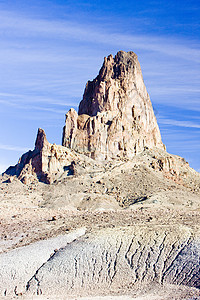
[[41, 139]]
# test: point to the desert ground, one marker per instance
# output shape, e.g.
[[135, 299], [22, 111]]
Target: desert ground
[[123, 201]]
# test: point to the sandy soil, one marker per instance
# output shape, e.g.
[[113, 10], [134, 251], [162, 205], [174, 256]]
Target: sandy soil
[[122, 196], [20, 227]]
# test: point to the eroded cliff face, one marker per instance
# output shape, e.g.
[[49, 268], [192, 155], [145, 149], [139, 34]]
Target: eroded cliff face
[[115, 118], [48, 162], [44, 162], [115, 121]]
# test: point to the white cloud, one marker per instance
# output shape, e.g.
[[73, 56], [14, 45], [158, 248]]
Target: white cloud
[[21, 26], [33, 107], [188, 124], [163, 90], [17, 99], [13, 148]]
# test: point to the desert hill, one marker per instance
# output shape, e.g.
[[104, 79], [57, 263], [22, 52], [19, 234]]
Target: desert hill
[[112, 175]]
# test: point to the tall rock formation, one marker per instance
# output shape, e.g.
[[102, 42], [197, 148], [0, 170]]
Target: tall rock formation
[[115, 118]]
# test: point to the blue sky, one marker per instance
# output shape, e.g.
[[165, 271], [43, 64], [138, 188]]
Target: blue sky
[[49, 49]]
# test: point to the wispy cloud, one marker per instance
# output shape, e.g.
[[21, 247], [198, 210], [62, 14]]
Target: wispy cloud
[[13, 148], [187, 124], [32, 107], [15, 99], [174, 90], [21, 26]]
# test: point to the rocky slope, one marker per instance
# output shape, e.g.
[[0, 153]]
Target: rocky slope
[[123, 257], [139, 204], [47, 162]]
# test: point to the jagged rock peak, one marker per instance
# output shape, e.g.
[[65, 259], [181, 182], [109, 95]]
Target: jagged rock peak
[[41, 140], [115, 117], [117, 71], [117, 67], [43, 162], [115, 121]]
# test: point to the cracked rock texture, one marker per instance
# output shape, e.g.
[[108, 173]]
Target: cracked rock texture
[[115, 118], [18, 265], [120, 258]]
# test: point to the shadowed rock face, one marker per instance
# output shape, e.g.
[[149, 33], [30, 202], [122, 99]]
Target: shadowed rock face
[[115, 118], [30, 163], [43, 162]]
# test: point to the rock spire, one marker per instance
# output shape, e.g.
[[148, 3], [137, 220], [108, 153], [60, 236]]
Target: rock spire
[[115, 117], [115, 121]]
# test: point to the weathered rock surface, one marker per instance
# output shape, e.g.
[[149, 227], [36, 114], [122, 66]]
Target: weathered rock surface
[[164, 249], [134, 260], [115, 123], [19, 265], [121, 258], [47, 162], [115, 118], [112, 158]]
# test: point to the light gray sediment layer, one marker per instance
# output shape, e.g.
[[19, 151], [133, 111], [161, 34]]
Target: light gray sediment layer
[[18, 266], [114, 260], [157, 261]]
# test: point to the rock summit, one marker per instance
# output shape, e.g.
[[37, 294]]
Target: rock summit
[[115, 123], [115, 118]]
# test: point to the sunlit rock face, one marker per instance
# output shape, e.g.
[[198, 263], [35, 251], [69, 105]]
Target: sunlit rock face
[[115, 118]]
